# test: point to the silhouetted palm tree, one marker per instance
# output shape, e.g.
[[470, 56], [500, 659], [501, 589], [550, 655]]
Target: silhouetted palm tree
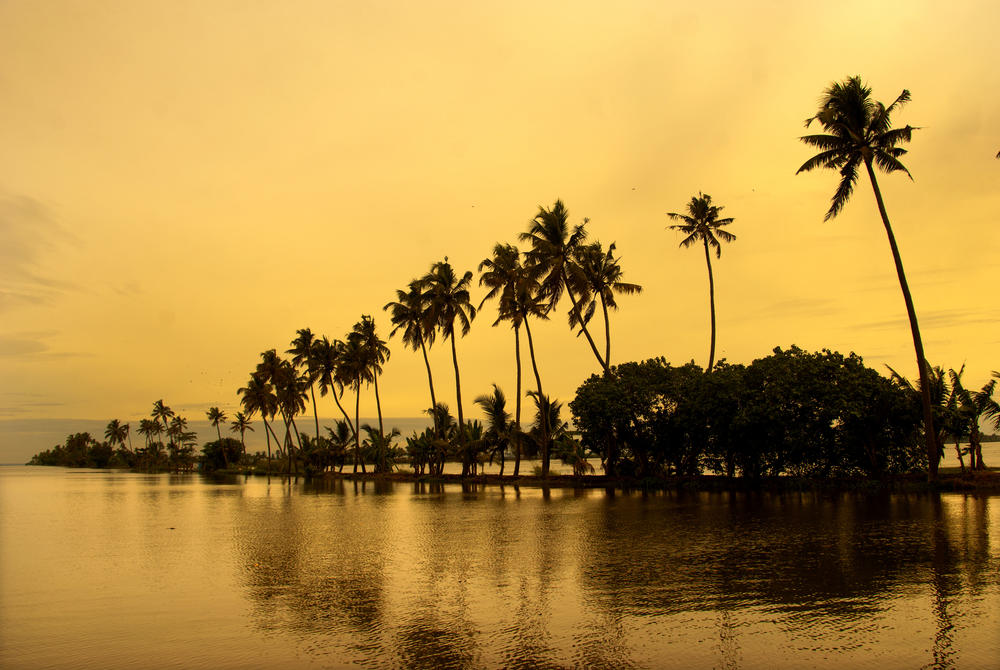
[[328, 356], [353, 370], [702, 224], [304, 358], [448, 300], [553, 246], [859, 132], [116, 433], [601, 273], [162, 413], [241, 425], [408, 314], [498, 425], [972, 406], [217, 416], [258, 396], [375, 354], [548, 427]]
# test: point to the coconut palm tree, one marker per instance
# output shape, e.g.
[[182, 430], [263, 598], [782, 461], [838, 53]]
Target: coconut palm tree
[[304, 358], [601, 273], [375, 354], [353, 370], [116, 433], [498, 425], [548, 427], [408, 314], [241, 425], [290, 390], [328, 356], [448, 301], [973, 406], [162, 413], [553, 246], [702, 224], [517, 290], [217, 416], [859, 132], [258, 396]]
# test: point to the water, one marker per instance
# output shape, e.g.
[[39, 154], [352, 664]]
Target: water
[[122, 570]]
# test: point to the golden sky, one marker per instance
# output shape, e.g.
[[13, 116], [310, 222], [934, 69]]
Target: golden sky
[[183, 184]]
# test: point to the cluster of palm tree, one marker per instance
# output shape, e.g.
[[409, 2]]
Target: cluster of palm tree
[[176, 454]]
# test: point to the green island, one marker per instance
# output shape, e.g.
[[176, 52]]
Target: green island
[[793, 418]]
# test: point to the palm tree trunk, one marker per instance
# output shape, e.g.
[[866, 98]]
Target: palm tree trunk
[[711, 305], [933, 454], [607, 332], [517, 411], [357, 428], [531, 351], [225, 459], [267, 434], [430, 381], [347, 417], [458, 394], [312, 392], [583, 326], [378, 408]]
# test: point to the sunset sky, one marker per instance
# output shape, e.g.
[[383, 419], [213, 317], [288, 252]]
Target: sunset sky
[[184, 184]]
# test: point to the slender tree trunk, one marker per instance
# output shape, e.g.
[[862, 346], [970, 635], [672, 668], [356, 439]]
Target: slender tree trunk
[[128, 433], [347, 417], [357, 429], [225, 458], [933, 454], [583, 326], [312, 392], [458, 395], [607, 333], [378, 408], [958, 452], [531, 351], [430, 381], [517, 405], [711, 306], [267, 434]]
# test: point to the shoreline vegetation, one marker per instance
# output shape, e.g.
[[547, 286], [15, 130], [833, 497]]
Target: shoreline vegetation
[[782, 420]]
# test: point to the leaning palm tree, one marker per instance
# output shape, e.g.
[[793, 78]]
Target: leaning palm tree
[[702, 224], [304, 358], [375, 354], [328, 357], [553, 245], [258, 396], [601, 275], [408, 314], [448, 300], [859, 132], [241, 425], [217, 416]]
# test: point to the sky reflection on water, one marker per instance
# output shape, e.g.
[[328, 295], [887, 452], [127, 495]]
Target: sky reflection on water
[[125, 570]]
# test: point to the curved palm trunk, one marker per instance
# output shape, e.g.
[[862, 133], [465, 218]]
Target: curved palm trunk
[[225, 458], [357, 428], [312, 392], [268, 431], [430, 381], [583, 326], [517, 411], [538, 386], [378, 408], [607, 332], [933, 453], [461, 416], [711, 305], [347, 417]]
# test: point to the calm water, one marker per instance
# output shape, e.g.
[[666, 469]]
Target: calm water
[[119, 570]]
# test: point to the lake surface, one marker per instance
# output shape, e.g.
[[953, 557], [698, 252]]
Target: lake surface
[[122, 570]]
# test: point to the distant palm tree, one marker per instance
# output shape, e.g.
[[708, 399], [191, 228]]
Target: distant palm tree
[[548, 427], [375, 354], [116, 433], [258, 396], [408, 314], [241, 425], [498, 425], [601, 273], [552, 254], [304, 358], [702, 224], [972, 406], [217, 416], [449, 301], [859, 132], [162, 413], [517, 290]]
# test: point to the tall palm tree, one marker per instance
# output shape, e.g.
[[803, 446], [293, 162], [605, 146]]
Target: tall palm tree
[[517, 290], [601, 273], [375, 354], [702, 224], [116, 433], [859, 132], [217, 416], [258, 396], [408, 314], [290, 389], [241, 425], [304, 358], [553, 246], [448, 301], [162, 413], [328, 357], [354, 371]]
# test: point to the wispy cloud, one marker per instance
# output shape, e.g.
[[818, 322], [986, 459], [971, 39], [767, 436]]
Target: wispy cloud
[[28, 230], [28, 346], [938, 319]]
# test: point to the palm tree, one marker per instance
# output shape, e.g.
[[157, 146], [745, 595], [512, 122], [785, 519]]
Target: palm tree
[[548, 427], [241, 425], [290, 390], [859, 132], [375, 354], [217, 416], [162, 412], [518, 291], [408, 314], [304, 357], [553, 246], [702, 224], [972, 406], [328, 356], [353, 370], [601, 273], [116, 433], [258, 396], [448, 300], [498, 425]]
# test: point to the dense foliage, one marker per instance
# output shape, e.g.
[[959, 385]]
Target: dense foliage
[[794, 412]]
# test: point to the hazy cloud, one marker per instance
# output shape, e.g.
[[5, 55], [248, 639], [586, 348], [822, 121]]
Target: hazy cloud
[[948, 318], [27, 346], [27, 232]]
